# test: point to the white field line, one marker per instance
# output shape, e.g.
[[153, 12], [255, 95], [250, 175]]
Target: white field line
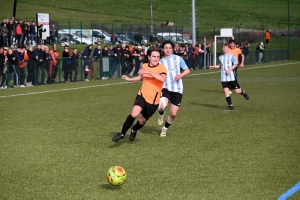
[[92, 86]]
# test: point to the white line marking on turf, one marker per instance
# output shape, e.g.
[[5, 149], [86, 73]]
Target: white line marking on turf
[[246, 68], [60, 90], [68, 89]]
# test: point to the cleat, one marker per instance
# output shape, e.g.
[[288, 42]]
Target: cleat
[[230, 108], [163, 132], [117, 137], [160, 119], [246, 96], [132, 135]]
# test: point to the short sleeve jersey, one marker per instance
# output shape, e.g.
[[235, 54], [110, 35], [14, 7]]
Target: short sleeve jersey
[[226, 62], [151, 87], [174, 64], [236, 52]]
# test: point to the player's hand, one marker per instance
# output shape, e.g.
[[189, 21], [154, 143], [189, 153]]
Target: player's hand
[[124, 77], [177, 77], [228, 71], [241, 65], [211, 67]]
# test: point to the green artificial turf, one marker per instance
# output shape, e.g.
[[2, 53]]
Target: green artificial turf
[[55, 140]]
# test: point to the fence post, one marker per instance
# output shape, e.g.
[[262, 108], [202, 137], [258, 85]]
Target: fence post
[[81, 32]]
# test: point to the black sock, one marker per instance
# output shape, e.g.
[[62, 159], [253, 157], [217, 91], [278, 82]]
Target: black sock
[[127, 124], [161, 112], [137, 126], [243, 92], [167, 124], [228, 99]]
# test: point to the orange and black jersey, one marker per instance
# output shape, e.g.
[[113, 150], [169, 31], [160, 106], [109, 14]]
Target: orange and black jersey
[[236, 52], [151, 87]]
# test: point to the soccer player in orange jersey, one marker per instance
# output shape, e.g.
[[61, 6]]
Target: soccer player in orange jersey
[[237, 52], [153, 76]]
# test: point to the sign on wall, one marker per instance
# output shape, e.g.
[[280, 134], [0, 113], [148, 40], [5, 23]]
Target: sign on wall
[[44, 18]]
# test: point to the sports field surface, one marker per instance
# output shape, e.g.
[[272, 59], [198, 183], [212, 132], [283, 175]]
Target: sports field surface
[[55, 140]]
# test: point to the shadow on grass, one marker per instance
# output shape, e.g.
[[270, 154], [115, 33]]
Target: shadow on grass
[[217, 91], [153, 130], [208, 105], [110, 187]]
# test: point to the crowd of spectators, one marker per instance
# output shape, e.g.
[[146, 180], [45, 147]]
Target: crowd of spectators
[[25, 59]]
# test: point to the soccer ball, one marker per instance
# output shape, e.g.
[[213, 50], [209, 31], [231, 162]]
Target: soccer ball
[[116, 175]]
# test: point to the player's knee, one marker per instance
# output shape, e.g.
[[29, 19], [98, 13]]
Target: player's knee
[[134, 115], [172, 115], [142, 120]]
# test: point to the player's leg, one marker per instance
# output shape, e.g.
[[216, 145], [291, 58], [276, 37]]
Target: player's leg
[[174, 107], [239, 90], [146, 113], [161, 109], [163, 103], [139, 104], [226, 86]]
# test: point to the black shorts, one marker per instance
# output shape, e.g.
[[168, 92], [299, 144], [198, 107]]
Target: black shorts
[[174, 97], [147, 109], [231, 85]]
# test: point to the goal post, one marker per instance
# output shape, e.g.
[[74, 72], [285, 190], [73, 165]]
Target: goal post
[[224, 33]]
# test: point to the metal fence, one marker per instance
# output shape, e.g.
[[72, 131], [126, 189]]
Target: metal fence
[[70, 70]]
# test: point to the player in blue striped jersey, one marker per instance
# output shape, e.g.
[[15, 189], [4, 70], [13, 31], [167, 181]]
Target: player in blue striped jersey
[[173, 86], [227, 63]]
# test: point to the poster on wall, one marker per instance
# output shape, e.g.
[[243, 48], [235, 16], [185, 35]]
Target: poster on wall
[[44, 19]]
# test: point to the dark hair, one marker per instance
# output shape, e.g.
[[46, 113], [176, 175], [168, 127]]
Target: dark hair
[[168, 42], [231, 41], [151, 49]]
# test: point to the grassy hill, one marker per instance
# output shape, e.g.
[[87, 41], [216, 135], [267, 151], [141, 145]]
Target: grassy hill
[[211, 15], [255, 14]]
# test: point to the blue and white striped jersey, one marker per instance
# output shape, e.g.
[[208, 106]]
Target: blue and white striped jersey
[[226, 62], [173, 64]]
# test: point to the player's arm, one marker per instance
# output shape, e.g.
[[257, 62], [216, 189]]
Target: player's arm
[[242, 61], [235, 63], [214, 66], [161, 77], [135, 79], [185, 72]]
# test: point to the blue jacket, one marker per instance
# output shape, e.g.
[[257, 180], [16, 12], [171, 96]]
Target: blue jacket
[[18, 55], [86, 53]]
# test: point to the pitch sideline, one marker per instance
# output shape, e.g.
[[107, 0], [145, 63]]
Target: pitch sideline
[[85, 87]]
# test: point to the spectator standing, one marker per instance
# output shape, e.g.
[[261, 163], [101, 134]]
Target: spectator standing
[[4, 33], [18, 34], [11, 33], [30, 67], [96, 54], [261, 52], [74, 59], [44, 36], [3, 60], [32, 33], [22, 64], [114, 54], [105, 51], [67, 64], [40, 57], [87, 61], [268, 36]]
